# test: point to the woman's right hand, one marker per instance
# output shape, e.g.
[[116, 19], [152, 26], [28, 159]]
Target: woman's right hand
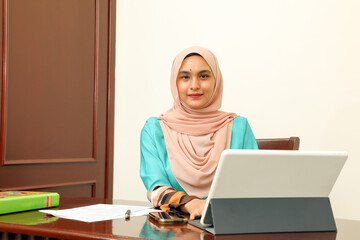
[[194, 207]]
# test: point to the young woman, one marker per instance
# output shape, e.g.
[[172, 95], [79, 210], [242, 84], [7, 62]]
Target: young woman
[[180, 149]]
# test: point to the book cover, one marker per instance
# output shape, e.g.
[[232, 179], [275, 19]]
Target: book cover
[[17, 201]]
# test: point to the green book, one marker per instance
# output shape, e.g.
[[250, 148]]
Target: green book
[[17, 201]]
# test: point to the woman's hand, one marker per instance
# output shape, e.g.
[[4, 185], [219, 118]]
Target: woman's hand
[[195, 208]]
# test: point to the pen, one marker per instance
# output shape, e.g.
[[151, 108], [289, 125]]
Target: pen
[[127, 214]]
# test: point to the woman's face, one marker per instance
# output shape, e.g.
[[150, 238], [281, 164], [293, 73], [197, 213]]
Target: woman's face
[[195, 82]]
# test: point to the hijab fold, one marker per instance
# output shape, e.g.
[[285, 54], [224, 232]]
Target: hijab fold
[[195, 138]]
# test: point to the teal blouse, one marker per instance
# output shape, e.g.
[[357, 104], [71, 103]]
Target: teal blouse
[[155, 167]]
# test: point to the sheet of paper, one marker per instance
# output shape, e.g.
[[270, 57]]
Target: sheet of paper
[[100, 212]]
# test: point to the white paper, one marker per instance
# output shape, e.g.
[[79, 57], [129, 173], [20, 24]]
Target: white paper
[[100, 212]]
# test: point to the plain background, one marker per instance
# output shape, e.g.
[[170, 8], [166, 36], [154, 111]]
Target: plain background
[[291, 67]]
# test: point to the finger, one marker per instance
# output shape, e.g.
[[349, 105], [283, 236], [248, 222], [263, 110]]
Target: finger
[[194, 215]]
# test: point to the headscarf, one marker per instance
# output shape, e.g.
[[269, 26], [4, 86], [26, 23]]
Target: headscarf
[[195, 138]]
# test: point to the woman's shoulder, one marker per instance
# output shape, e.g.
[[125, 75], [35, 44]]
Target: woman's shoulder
[[240, 123], [151, 123], [240, 120], [152, 130], [152, 120]]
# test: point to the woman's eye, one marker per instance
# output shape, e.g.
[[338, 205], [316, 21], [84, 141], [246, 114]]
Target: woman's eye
[[184, 77], [204, 76]]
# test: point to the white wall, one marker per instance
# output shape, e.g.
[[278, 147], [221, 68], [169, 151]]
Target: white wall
[[291, 67]]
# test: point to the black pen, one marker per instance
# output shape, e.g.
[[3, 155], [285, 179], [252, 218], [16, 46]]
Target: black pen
[[127, 214]]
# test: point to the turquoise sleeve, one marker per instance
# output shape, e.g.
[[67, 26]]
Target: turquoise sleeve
[[152, 168], [242, 136]]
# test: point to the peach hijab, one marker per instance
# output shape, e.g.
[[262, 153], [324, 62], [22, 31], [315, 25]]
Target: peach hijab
[[195, 138]]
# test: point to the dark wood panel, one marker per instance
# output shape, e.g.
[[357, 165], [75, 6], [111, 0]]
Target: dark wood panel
[[4, 61], [83, 190], [58, 107], [111, 95], [52, 79], [26, 176], [73, 189], [58, 160]]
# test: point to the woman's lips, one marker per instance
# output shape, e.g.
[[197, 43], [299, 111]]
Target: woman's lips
[[195, 95]]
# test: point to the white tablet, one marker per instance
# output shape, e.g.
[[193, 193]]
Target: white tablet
[[273, 174]]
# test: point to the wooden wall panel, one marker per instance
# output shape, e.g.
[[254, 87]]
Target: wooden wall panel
[[52, 87], [73, 189], [57, 95]]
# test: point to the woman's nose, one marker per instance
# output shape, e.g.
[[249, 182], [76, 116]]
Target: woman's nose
[[194, 83]]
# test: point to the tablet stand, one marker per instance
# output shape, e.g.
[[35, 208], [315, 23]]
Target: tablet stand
[[268, 215]]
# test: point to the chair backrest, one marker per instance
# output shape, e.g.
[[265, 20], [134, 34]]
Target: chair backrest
[[291, 143]]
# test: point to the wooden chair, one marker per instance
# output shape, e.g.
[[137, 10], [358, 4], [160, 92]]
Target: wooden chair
[[291, 143]]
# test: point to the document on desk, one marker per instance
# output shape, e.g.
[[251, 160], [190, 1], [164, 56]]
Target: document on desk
[[100, 212]]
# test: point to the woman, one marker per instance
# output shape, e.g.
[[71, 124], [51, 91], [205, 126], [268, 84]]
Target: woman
[[180, 150]]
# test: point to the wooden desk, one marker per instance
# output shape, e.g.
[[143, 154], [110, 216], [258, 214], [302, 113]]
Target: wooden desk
[[26, 225]]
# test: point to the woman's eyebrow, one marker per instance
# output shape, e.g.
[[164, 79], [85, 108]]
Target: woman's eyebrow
[[184, 72], [202, 71], [205, 71]]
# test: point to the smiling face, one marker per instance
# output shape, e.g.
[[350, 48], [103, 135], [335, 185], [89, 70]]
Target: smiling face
[[195, 82]]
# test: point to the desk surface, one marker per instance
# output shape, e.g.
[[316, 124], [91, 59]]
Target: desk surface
[[34, 223]]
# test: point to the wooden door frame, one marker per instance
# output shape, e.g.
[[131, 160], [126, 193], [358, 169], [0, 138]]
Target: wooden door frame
[[109, 158]]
